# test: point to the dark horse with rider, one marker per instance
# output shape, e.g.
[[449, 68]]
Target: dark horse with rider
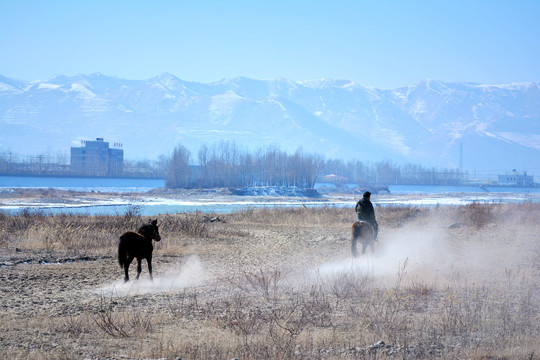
[[366, 228]]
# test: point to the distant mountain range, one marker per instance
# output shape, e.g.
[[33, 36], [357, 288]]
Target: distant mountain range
[[433, 123]]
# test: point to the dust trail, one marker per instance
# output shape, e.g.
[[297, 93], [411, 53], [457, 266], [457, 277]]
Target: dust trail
[[418, 251], [190, 273]]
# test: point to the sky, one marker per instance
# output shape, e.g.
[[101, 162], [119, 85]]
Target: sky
[[382, 44]]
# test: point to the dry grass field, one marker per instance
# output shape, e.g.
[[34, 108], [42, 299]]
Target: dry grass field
[[444, 282]]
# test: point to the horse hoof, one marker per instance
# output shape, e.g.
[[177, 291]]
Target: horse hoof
[[126, 280]]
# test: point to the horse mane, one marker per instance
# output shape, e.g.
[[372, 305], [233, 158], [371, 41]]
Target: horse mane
[[148, 229]]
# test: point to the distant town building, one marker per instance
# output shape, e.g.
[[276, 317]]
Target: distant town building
[[516, 178], [334, 179], [96, 158]]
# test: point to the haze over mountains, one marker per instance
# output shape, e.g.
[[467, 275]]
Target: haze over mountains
[[482, 127]]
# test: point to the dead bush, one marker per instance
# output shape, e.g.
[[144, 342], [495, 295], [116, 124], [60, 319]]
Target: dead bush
[[477, 214], [395, 216]]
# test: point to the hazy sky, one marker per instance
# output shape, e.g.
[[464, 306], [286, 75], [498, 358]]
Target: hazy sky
[[383, 44]]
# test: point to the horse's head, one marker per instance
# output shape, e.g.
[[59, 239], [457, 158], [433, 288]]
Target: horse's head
[[150, 230], [155, 230]]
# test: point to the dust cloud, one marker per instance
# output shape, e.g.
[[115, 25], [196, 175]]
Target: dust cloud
[[188, 274], [431, 253], [418, 250]]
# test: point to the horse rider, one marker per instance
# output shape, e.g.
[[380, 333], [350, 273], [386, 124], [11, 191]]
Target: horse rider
[[365, 212]]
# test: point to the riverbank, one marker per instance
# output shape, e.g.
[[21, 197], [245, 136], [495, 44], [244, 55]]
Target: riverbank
[[223, 200]]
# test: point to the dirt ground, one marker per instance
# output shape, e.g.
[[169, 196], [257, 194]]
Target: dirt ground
[[60, 306]]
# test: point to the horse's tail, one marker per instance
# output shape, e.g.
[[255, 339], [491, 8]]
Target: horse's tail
[[122, 250]]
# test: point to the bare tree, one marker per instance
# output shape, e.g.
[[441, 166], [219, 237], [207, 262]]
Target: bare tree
[[203, 158], [178, 174]]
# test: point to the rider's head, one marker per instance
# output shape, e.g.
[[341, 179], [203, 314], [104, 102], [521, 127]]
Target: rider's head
[[367, 195]]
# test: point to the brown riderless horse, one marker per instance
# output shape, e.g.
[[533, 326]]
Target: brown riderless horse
[[362, 231], [138, 245]]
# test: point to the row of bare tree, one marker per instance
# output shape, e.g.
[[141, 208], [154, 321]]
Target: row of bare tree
[[224, 164]]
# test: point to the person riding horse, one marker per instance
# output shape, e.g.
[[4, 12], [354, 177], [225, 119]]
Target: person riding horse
[[365, 212]]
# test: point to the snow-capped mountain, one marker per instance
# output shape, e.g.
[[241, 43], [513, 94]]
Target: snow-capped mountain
[[432, 123]]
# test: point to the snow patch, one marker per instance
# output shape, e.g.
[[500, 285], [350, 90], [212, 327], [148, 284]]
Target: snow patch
[[392, 138], [419, 107], [82, 90], [224, 103], [47, 86]]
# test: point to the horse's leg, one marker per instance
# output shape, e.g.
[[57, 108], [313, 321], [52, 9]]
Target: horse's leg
[[364, 246], [354, 241], [126, 267], [139, 268], [149, 261], [373, 237], [354, 249]]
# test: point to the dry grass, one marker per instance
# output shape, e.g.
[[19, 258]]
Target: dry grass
[[279, 283]]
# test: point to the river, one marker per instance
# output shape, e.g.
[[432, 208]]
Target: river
[[419, 195]]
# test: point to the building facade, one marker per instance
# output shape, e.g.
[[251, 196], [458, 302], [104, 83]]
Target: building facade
[[516, 178], [96, 158]]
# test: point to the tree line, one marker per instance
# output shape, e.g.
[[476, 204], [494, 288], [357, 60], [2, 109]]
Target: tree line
[[225, 164]]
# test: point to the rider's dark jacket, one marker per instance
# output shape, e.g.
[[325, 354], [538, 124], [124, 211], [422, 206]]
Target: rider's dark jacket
[[364, 210]]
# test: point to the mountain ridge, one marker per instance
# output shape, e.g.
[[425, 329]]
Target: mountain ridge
[[433, 123]]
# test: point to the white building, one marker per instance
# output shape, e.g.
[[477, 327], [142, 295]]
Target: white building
[[95, 158], [516, 178]]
